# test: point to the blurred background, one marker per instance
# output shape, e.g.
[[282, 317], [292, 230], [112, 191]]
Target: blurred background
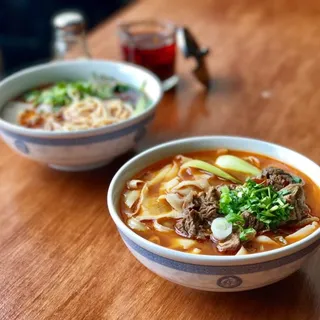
[[26, 30]]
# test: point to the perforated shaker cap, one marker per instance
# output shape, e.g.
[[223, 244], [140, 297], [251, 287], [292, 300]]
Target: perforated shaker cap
[[67, 18]]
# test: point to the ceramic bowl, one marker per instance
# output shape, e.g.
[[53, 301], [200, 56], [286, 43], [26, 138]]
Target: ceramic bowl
[[214, 273], [85, 149]]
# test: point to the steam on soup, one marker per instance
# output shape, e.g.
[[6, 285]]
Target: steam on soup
[[76, 105], [221, 202]]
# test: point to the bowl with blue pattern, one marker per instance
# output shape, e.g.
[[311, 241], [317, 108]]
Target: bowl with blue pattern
[[83, 149], [215, 272]]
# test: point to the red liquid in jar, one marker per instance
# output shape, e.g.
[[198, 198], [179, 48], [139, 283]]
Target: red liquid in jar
[[152, 51]]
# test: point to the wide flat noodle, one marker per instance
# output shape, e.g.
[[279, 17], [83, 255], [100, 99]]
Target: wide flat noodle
[[131, 196], [135, 224], [182, 159], [159, 177], [143, 193], [174, 200], [134, 184], [167, 186], [172, 173], [201, 184], [177, 201], [302, 233], [147, 215]]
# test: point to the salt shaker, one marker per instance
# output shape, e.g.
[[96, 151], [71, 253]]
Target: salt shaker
[[69, 36]]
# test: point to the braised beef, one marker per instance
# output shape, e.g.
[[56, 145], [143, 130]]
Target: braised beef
[[231, 186], [198, 215], [276, 177], [207, 203], [296, 199], [230, 245], [305, 221], [191, 225], [250, 221]]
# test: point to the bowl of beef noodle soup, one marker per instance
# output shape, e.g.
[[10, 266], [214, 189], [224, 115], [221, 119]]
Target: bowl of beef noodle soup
[[77, 115], [218, 213]]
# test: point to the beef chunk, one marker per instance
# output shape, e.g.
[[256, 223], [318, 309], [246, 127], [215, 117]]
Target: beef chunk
[[305, 221], [191, 225], [198, 215], [250, 221], [296, 199], [230, 245], [207, 204], [276, 177]]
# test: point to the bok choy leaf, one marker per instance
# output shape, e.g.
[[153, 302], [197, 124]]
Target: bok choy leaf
[[202, 165], [237, 164]]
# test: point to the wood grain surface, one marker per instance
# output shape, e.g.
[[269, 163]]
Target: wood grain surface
[[60, 254]]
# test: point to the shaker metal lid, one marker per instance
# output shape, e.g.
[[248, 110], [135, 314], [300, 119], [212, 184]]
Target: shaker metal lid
[[67, 18]]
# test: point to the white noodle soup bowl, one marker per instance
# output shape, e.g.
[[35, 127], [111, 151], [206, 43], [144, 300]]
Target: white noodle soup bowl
[[216, 272], [85, 149]]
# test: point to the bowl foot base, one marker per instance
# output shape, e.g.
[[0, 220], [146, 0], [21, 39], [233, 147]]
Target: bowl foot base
[[77, 168]]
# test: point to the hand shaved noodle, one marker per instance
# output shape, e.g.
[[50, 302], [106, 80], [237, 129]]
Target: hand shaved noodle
[[202, 184], [263, 240], [305, 222], [147, 215], [182, 243], [242, 251], [302, 233], [182, 158], [135, 224], [131, 197], [158, 226], [140, 201], [254, 160], [170, 184], [160, 175], [90, 112], [134, 184], [174, 200], [173, 171]]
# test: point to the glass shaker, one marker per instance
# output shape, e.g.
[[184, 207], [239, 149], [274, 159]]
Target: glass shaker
[[69, 36]]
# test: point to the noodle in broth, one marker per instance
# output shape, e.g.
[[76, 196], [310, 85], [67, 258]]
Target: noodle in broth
[[178, 204]]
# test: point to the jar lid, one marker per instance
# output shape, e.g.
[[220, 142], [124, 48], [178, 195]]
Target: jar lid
[[67, 18]]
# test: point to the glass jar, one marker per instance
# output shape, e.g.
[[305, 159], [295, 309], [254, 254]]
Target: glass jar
[[69, 36]]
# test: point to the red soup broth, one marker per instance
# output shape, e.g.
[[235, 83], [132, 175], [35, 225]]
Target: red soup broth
[[207, 247]]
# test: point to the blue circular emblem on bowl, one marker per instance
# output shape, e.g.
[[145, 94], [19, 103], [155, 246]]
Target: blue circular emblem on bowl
[[229, 282], [21, 146]]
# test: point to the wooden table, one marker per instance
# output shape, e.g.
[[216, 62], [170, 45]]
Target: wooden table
[[60, 254]]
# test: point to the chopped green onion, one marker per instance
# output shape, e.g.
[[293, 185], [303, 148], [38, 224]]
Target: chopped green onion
[[264, 203], [296, 179], [247, 234]]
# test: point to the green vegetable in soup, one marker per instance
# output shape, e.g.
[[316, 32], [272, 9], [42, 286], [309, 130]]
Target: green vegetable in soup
[[202, 165], [247, 234], [142, 101], [265, 203], [63, 93], [237, 164], [296, 179], [121, 87]]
